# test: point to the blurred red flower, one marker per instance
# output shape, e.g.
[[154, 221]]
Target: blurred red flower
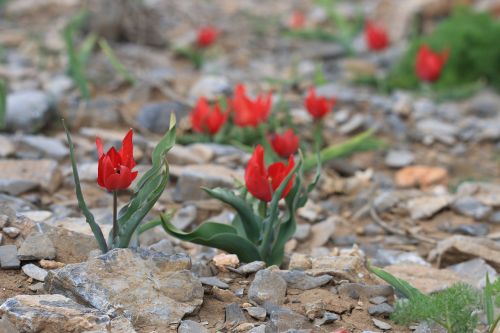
[[262, 182], [205, 119], [297, 20], [207, 36], [429, 64], [115, 168], [318, 107], [286, 144], [248, 112], [376, 37]]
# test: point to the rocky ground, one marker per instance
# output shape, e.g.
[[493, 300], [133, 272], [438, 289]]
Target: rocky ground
[[426, 208]]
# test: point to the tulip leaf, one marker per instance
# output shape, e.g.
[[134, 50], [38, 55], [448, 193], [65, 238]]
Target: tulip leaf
[[406, 289], [249, 220], [218, 235], [96, 230]]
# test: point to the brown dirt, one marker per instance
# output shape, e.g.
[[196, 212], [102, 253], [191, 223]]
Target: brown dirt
[[12, 283]]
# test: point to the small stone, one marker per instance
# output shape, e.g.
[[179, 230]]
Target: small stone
[[383, 309], [222, 260], [349, 268], [51, 264], [419, 175], [184, 217], [365, 291], [8, 257], [283, 319], [37, 287], [300, 261], [6, 147], [164, 246], [45, 146], [399, 158], [381, 324], [38, 215], [267, 286], [322, 231], [258, 329], [354, 124], [156, 116], [378, 300], [250, 268], [474, 272], [214, 282], [211, 87], [37, 246], [427, 206], [29, 174], [12, 232], [314, 309], [302, 232], [328, 318], [300, 280], [472, 207], [223, 295], [28, 110], [189, 326], [234, 315], [477, 229], [35, 272], [432, 128], [257, 312]]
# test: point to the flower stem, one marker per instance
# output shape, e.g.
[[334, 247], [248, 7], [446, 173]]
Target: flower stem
[[115, 221]]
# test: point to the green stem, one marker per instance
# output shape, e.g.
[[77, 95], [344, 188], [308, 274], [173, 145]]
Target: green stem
[[262, 208], [115, 213], [362, 142], [318, 135]]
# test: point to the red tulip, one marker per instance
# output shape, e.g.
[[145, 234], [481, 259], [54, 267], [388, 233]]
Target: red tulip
[[286, 144], [248, 112], [115, 168], [297, 20], [206, 36], [207, 120], [318, 107], [376, 37], [429, 64], [261, 182]]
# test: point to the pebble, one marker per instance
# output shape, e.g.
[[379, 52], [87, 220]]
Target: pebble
[[214, 282], [4, 219], [437, 129], [354, 124], [472, 207], [257, 312], [6, 147], [383, 309], [322, 231], [250, 268], [156, 116], [46, 146], [399, 158], [477, 229], [474, 272], [328, 318], [8, 257], [360, 290], [211, 87], [12, 232], [35, 272], [298, 279], [189, 326], [37, 246], [302, 232], [426, 207], [283, 319], [267, 286], [28, 110], [381, 324], [184, 217], [234, 315], [300, 261], [378, 300], [224, 260], [258, 329]]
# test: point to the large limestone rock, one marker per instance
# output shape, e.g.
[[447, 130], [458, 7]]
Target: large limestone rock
[[151, 289], [56, 313]]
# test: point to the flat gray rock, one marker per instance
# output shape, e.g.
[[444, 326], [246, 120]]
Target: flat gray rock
[[214, 282], [35, 272], [189, 326], [8, 257], [298, 279], [149, 287], [36, 246], [267, 286]]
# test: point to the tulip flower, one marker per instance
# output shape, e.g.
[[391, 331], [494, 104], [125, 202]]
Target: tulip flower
[[262, 182], [248, 112], [376, 37], [115, 167], [286, 144], [429, 64], [318, 107], [297, 20], [207, 120], [206, 36]]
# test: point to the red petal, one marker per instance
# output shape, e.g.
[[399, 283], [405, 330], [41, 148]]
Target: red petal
[[98, 143], [127, 150], [256, 178]]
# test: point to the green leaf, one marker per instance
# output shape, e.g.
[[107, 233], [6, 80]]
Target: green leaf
[[86, 49], [400, 285], [251, 222], [488, 301], [154, 223], [115, 62], [96, 230], [218, 235]]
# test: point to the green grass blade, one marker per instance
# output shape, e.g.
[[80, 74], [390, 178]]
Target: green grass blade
[[96, 230], [115, 62], [400, 285]]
